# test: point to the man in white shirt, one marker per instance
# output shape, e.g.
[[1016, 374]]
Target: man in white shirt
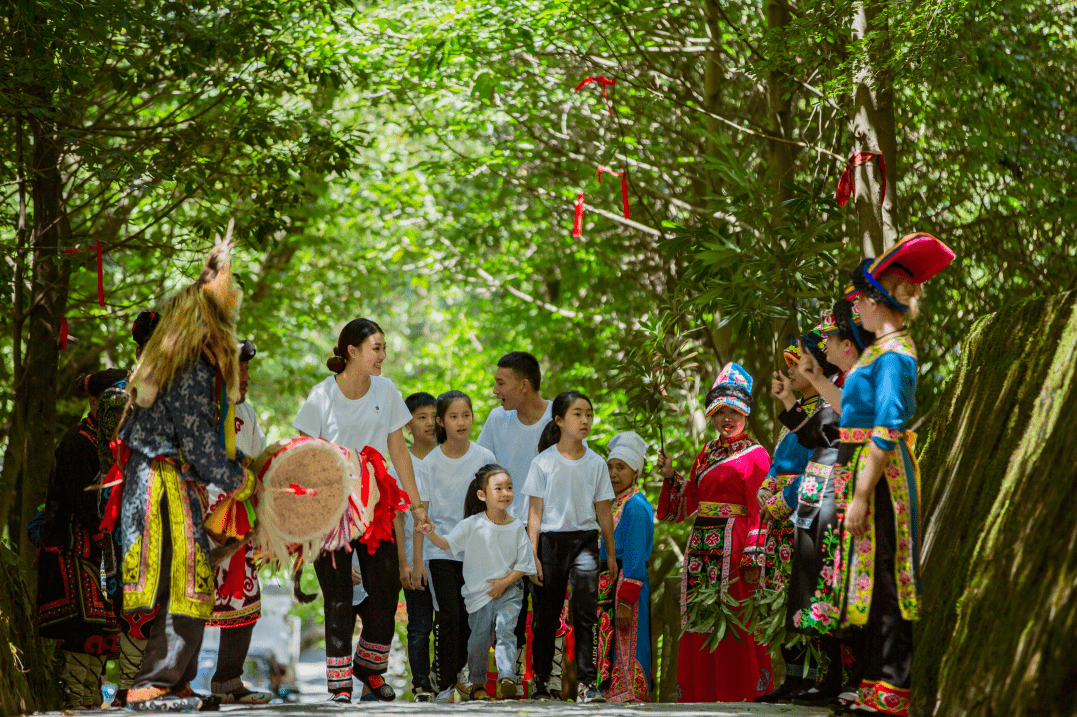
[[512, 433], [236, 614]]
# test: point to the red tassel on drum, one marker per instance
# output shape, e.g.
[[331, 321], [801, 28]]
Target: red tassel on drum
[[391, 500]]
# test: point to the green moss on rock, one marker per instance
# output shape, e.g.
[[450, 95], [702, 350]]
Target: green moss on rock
[[27, 666], [1000, 533]]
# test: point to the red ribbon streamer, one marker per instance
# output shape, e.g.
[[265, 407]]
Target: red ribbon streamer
[[847, 186], [606, 83], [577, 223], [63, 333], [300, 490], [623, 174], [100, 270]]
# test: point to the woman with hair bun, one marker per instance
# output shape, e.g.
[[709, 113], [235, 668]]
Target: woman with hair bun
[[720, 492], [355, 408], [876, 569]]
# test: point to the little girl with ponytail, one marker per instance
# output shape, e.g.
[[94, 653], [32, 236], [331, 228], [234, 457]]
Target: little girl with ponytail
[[570, 493]]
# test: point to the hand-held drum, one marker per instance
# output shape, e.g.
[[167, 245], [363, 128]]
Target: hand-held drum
[[310, 498]]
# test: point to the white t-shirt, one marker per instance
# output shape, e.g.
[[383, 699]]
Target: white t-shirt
[[409, 522], [443, 483], [514, 445], [249, 436], [490, 552], [569, 489], [328, 413]]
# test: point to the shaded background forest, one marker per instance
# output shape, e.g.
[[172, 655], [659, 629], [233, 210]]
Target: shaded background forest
[[419, 163]]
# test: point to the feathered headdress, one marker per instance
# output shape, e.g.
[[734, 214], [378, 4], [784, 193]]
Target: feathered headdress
[[201, 317]]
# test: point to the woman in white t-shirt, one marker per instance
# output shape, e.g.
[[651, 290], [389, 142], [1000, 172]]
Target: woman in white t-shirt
[[570, 492], [444, 477], [356, 408]]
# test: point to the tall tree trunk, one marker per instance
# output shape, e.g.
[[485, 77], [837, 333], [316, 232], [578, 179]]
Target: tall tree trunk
[[782, 161], [779, 116], [873, 128], [713, 78], [34, 430]]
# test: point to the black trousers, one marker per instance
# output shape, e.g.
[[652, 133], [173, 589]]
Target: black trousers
[[381, 578], [521, 623], [451, 628], [568, 558], [887, 648], [170, 659], [232, 653]]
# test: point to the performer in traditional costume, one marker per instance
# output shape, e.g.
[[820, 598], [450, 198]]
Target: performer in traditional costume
[[178, 439], [876, 568], [778, 495], [814, 511], [624, 606], [235, 577], [132, 641], [718, 563], [71, 605]]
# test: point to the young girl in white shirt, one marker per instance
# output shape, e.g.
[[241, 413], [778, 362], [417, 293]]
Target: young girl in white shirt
[[444, 477], [496, 555], [356, 408], [570, 492]]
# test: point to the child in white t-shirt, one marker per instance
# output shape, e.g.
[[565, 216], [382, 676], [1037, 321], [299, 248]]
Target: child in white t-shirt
[[497, 554], [570, 493], [416, 596], [444, 477]]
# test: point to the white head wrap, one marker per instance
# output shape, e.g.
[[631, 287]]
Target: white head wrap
[[630, 448]]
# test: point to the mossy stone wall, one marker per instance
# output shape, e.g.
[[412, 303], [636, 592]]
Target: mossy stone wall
[[27, 662], [998, 634]]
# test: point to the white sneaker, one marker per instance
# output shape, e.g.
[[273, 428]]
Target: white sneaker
[[445, 695]]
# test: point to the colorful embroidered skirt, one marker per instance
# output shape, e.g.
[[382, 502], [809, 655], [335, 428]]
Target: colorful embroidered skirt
[[621, 677], [71, 605]]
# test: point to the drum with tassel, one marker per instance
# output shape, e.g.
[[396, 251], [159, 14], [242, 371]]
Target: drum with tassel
[[311, 496]]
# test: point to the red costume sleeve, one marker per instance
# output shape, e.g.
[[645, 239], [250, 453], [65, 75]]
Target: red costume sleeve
[[680, 497], [754, 476]]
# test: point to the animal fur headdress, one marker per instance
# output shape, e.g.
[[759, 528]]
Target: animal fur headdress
[[201, 317]]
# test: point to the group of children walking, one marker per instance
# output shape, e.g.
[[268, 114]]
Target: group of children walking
[[517, 513]]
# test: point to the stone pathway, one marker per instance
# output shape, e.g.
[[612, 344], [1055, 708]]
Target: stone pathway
[[520, 707]]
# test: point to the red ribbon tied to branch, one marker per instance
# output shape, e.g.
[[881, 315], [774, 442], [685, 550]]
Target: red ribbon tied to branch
[[100, 270], [847, 186], [606, 83], [577, 222], [623, 174]]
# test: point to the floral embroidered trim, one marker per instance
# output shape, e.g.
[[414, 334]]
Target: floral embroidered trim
[[722, 510], [770, 485], [904, 491], [779, 508], [371, 655], [338, 673], [884, 697], [899, 344]]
